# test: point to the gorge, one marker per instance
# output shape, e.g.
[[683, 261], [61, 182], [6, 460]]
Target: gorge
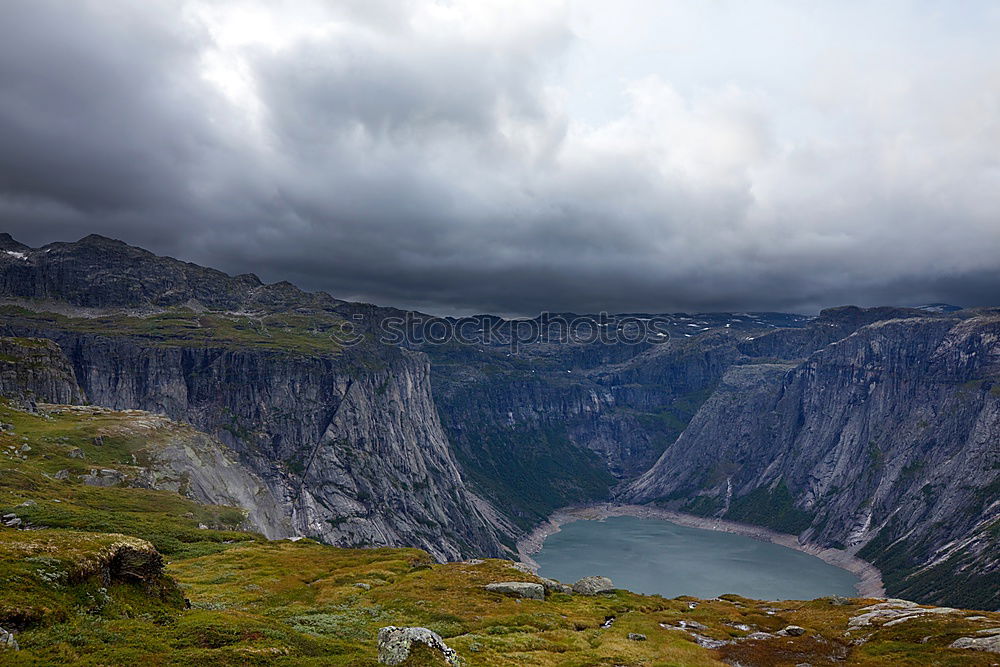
[[860, 429]]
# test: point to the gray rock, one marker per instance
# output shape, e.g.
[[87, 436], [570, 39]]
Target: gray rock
[[363, 586], [518, 589], [989, 643], [395, 645], [104, 477], [62, 474], [76, 453], [7, 641], [637, 636], [556, 586], [694, 625], [593, 586], [794, 631]]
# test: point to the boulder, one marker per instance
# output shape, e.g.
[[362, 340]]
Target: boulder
[[396, 644], [75, 453], [637, 636], [7, 641], [988, 643], [556, 586], [794, 631], [518, 589], [593, 586]]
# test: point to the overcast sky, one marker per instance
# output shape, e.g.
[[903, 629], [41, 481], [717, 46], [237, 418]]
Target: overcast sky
[[515, 157]]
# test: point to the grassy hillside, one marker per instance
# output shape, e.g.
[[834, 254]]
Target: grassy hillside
[[106, 581]]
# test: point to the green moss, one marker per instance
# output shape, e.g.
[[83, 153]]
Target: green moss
[[312, 334]]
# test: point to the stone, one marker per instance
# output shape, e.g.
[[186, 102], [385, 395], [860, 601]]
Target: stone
[[554, 586], [518, 589], [593, 586], [7, 641], [105, 477], [990, 643], [694, 625], [794, 631], [637, 636], [395, 645], [363, 586], [76, 453], [62, 474]]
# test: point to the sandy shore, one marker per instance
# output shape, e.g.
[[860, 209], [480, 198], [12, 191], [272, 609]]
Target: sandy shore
[[869, 578]]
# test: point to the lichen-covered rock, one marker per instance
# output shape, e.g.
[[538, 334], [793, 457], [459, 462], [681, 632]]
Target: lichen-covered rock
[[518, 589], [990, 644], [7, 641], [395, 645], [794, 631], [593, 586]]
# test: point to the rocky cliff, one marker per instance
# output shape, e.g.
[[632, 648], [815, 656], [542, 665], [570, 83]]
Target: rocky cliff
[[870, 429], [886, 443], [347, 438], [35, 369]]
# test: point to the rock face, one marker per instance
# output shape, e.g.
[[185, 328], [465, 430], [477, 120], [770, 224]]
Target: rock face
[[884, 443], [593, 586], [518, 589], [396, 645], [36, 370], [348, 440]]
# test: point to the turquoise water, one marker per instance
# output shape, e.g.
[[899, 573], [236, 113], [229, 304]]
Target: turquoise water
[[655, 556]]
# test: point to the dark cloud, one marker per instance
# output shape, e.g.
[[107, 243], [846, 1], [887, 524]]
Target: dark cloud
[[425, 155]]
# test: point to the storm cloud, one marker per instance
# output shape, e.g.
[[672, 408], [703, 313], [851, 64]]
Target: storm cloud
[[515, 157]]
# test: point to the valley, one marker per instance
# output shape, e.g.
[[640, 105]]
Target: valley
[[263, 468]]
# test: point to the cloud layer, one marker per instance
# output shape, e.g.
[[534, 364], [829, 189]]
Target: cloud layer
[[489, 156]]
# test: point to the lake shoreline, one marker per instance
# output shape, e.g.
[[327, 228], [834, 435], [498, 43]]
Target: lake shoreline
[[869, 583]]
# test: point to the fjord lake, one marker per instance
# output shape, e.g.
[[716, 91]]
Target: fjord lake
[[659, 557]]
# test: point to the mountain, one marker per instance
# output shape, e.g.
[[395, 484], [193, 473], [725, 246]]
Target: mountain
[[868, 429], [886, 443], [347, 439]]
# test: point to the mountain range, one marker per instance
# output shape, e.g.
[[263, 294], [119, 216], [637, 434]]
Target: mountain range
[[872, 430]]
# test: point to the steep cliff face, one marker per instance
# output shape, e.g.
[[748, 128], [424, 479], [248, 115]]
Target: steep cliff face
[[886, 443], [536, 431], [351, 444], [35, 369], [347, 438]]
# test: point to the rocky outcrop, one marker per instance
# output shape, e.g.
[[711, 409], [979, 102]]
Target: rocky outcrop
[[350, 446], [883, 443], [399, 645], [346, 441], [593, 586], [36, 370], [518, 589]]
